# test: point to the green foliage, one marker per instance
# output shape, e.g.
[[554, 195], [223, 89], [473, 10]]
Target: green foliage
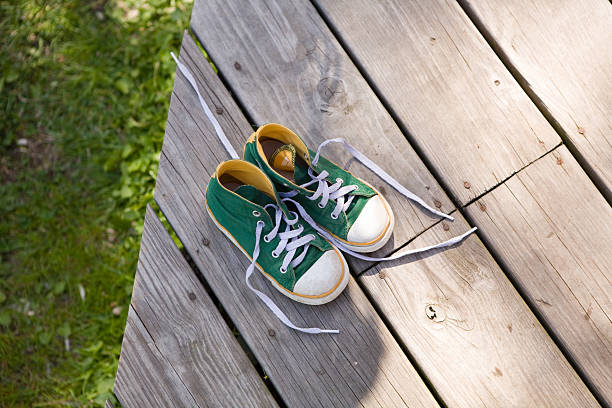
[[85, 88]]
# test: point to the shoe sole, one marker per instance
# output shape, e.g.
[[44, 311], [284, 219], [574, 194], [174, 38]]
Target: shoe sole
[[292, 295]]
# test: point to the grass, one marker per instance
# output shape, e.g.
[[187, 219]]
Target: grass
[[84, 87]]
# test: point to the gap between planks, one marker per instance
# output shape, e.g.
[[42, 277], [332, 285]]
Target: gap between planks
[[537, 101]]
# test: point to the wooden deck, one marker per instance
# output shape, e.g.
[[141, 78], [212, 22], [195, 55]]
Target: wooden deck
[[499, 112]]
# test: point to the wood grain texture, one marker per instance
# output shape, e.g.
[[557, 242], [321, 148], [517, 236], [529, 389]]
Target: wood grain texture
[[361, 366], [285, 66], [144, 376], [108, 404], [178, 331], [553, 231], [563, 50], [460, 105], [470, 332]]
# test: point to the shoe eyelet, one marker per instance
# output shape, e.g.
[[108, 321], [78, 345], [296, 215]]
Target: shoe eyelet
[[266, 239], [283, 270], [321, 206], [334, 217], [275, 255], [256, 213], [339, 180]]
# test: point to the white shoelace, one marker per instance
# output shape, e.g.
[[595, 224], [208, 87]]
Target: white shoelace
[[334, 191], [329, 192], [290, 242], [374, 168], [289, 239], [342, 246]]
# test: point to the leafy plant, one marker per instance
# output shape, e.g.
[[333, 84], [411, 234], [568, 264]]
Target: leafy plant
[[85, 89]]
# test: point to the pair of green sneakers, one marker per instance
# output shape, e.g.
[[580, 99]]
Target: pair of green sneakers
[[255, 202], [293, 213]]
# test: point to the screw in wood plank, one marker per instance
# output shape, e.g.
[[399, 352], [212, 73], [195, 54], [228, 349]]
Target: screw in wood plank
[[445, 226], [271, 332], [496, 82], [559, 161], [219, 111], [467, 184], [205, 242], [191, 296], [382, 275], [237, 66], [482, 206], [438, 204], [581, 130]]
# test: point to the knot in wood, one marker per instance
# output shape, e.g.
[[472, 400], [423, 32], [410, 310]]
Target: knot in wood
[[438, 204], [435, 313], [331, 93]]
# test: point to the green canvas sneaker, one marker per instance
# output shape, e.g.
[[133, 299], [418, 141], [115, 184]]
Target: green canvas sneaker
[[350, 209], [302, 265]]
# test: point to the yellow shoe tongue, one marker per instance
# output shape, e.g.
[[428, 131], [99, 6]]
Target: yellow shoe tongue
[[283, 158]]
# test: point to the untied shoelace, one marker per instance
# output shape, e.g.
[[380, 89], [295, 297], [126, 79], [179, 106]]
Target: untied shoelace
[[326, 192], [289, 234]]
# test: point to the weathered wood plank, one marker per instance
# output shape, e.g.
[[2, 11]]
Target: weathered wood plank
[[144, 376], [553, 231], [108, 404], [175, 329], [285, 66], [563, 50], [469, 331], [460, 105], [363, 365]]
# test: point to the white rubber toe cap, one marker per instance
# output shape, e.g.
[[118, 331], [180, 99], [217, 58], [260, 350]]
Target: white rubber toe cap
[[372, 222], [323, 276]]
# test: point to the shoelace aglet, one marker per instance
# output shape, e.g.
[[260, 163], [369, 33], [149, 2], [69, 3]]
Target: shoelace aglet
[[448, 217], [331, 331]]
